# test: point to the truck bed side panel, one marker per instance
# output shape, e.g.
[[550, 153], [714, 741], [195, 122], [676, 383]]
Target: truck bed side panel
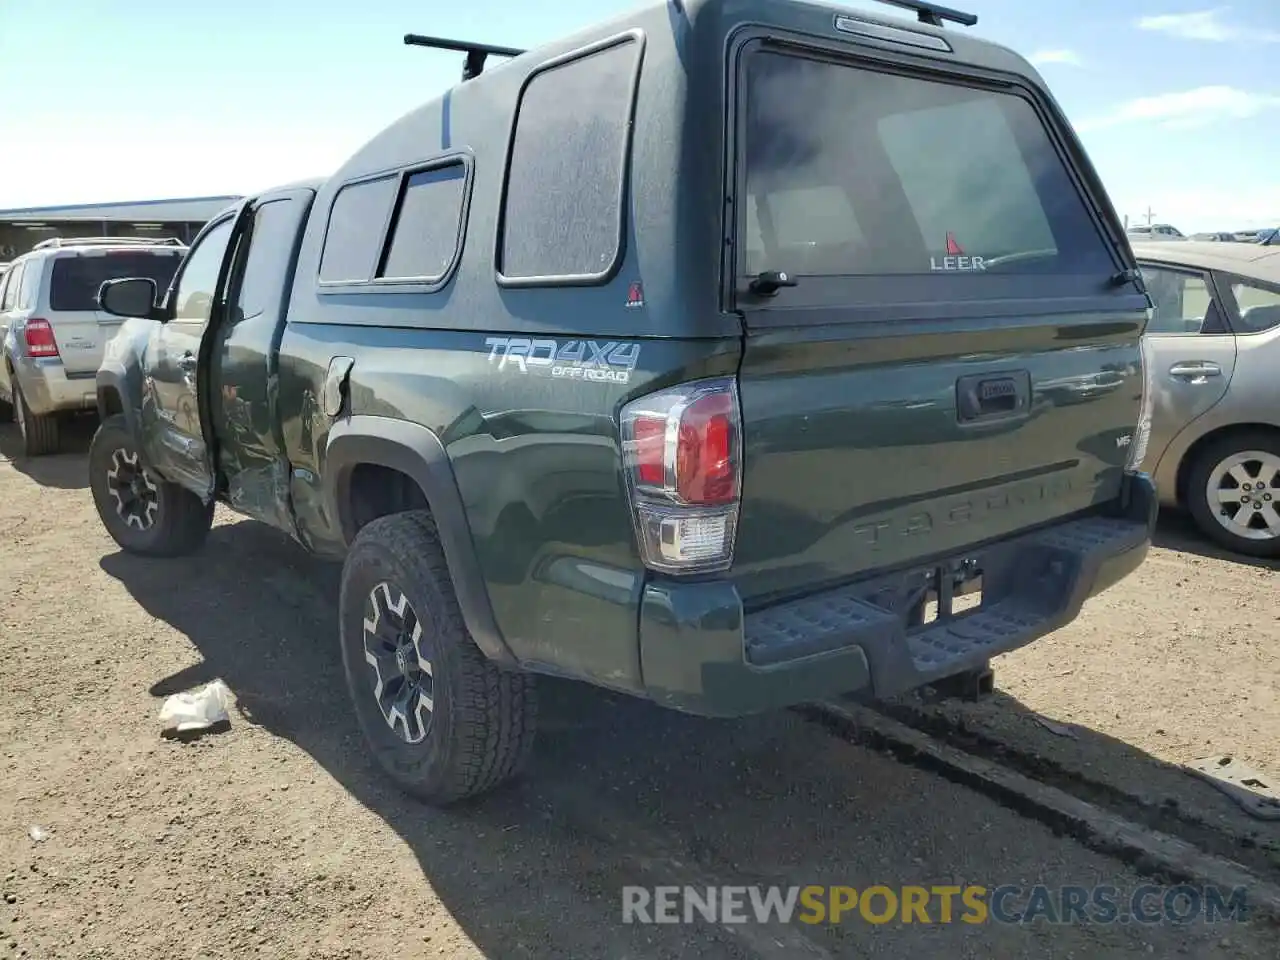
[[536, 461]]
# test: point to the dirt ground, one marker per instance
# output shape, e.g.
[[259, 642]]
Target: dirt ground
[[1181, 661], [280, 839]]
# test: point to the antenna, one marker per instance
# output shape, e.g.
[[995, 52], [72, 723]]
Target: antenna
[[476, 53], [932, 14]]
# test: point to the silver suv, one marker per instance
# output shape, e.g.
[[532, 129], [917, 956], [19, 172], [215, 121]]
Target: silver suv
[[52, 334]]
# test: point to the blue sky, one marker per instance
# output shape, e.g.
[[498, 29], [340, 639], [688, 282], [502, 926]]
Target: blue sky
[[1178, 101]]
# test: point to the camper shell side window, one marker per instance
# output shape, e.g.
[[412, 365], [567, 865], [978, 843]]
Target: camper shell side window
[[562, 212], [400, 230]]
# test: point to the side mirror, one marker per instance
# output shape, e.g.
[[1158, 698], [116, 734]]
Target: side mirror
[[129, 297]]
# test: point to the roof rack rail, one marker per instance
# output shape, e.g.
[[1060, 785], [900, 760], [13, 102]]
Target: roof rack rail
[[53, 243], [933, 14], [476, 53]]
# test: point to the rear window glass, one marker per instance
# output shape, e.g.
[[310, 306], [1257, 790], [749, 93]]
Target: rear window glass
[[74, 282], [1259, 306], [855, 172]]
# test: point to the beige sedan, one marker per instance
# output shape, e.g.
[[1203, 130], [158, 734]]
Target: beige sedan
[[1214, 348]]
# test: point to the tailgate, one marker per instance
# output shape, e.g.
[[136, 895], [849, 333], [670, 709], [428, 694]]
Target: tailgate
[[953, 354], [82, 337], [866, 455], [79, 327]]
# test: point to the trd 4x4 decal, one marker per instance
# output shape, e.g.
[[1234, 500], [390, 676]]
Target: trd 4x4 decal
[[956, 260], [609, 362]]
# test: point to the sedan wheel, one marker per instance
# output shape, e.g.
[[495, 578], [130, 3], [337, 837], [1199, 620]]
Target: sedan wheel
[[1234, 493], [1244, 487]]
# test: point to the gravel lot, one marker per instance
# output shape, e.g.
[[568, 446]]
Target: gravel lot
[[280, 839]]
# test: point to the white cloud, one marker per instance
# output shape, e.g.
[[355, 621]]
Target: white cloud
[[1069, 57], [1188, 108], [1205, 25]]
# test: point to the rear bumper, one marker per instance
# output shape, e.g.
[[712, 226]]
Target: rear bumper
[[50, 389], [700, 653]]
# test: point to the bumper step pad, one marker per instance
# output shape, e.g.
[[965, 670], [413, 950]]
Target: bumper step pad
[[1031, 586]]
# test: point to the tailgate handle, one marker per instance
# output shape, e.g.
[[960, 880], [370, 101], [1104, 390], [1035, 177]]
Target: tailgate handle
[[986, 396]]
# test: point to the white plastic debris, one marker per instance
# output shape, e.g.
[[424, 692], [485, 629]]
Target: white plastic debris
[[38, 833], [194, 712]]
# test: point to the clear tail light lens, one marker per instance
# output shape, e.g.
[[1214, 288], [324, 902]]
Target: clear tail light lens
[[1142, 432], [682, 455], [38, 337]]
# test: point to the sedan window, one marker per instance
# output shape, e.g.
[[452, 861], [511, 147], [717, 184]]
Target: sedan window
[[1258, 307], [1183, 302]]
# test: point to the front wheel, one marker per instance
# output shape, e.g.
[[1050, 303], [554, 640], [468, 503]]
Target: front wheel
[[143, 513], [1233, 492], [442, 721]]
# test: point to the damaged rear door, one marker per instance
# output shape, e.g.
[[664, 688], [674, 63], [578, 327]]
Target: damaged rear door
[[240, 353]]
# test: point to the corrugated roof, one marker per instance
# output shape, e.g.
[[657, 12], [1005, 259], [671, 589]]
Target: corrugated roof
[[178, 208]]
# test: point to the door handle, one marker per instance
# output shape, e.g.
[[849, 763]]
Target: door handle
[[1195, 370], [187, 362]]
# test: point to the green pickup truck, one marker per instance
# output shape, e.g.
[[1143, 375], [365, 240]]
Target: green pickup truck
[[731, 355]]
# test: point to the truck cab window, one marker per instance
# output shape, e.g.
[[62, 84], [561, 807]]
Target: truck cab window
[[193, 297], [271, 243]]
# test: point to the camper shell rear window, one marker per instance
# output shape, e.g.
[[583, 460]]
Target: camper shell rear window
[[848, 171]]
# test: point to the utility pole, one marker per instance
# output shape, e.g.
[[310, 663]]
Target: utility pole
[[1150, 215]]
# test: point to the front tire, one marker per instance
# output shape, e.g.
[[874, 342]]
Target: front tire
[[143, 513], [39, 432], [442, 721], [1233, 493]]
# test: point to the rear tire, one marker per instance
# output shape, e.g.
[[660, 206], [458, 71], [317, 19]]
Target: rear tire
[[442, 721], [143, 513], [1233, 493], [39, 432]]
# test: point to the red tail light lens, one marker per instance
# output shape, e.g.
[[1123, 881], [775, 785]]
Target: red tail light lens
[[682, 453], [38, 336], [649, 433], [705, 469]]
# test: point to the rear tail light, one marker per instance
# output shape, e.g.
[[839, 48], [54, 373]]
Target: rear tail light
[[682, 455], [38, 336]]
